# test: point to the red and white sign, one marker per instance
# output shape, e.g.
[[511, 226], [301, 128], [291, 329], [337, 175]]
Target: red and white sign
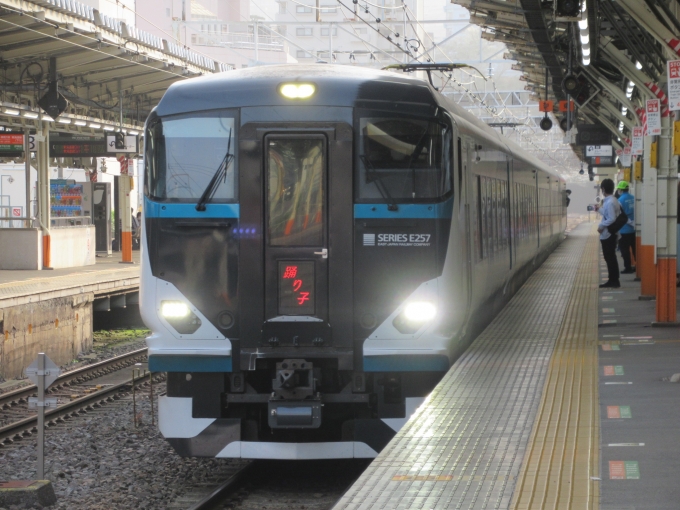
[[637, 148], [673, 69], [653, 111], [11, 139], [626, 157], [16, 212]]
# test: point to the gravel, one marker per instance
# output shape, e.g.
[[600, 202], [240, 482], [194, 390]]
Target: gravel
[[101, 461]]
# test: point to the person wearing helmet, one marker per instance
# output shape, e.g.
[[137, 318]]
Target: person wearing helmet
[[627, 240]]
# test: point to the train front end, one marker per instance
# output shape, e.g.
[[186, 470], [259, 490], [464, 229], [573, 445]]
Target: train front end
[[295, 233]]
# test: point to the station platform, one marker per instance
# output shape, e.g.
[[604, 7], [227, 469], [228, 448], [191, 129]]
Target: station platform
[[530, 417], [108, 274], [51, 311]]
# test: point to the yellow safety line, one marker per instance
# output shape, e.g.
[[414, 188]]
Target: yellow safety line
[[562, 457]]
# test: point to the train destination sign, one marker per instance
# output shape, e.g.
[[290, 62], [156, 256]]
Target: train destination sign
[[11, 142], [77, 146], [296, 288]]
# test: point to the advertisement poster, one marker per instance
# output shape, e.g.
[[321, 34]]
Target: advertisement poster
[[636, 149], [653, 111], [673, 69]]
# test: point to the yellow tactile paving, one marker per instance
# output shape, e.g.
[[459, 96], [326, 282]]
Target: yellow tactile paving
[[562, 458]]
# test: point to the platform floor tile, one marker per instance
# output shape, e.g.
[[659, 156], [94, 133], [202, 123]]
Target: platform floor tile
[[464, 447]]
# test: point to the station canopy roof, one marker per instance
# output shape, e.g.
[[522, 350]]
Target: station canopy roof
[[101, 65], [616, 50]]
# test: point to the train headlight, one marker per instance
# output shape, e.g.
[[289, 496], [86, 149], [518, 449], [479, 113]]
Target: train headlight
[[420, 311], [297, 90], [174, 309]]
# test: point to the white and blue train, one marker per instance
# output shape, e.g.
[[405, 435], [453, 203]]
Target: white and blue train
[[320, 243]]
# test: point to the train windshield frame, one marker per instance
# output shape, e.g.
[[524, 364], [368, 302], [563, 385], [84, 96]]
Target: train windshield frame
[[402, 159], [183, 153]]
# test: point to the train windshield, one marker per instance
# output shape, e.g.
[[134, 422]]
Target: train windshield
[[184, 152], [403, 160]]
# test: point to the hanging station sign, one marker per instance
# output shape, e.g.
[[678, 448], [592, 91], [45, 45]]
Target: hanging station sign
[[626, 156], [598, 150], [11, 144], [64, 145]]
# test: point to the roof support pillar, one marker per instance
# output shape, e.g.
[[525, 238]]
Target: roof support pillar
[[646, 256], [42, 139], [666, 226]]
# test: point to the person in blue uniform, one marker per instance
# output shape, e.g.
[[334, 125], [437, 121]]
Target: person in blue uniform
[[609, 209], [627, 240]]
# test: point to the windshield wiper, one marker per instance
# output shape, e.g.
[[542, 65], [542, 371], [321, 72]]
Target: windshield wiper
[[376, 178], [415, 155], [220, 174]]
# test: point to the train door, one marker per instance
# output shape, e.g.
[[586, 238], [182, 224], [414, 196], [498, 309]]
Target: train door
[[296, 234], [464, 185]]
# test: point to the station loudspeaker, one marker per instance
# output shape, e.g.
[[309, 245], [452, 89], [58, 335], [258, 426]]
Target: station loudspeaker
[[565, 125], [545, 123], [581, 172], [53, 103], [568, 8]]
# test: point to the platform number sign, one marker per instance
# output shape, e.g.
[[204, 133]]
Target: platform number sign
[[673, 69], [653, 110], [296, 288]]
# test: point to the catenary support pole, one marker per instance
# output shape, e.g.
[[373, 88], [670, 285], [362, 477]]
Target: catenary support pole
[[43, 143], [647, 253]]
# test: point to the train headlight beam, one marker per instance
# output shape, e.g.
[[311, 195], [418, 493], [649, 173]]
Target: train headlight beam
[[420, 311], [174, 309], [297, 90]]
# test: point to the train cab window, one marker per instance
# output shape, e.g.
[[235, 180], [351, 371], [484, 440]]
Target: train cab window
[[403, 160], [185, 152]]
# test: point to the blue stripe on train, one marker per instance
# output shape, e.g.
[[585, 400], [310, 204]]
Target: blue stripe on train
[[406, 363], [174, 210], [405, 211], [174, 363]]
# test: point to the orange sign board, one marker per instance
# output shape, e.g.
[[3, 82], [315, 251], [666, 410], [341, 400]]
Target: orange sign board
[[546, 106], [563, 106]]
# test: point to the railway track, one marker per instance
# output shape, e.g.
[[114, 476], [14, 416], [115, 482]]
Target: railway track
[[277, 485], [76, 391]]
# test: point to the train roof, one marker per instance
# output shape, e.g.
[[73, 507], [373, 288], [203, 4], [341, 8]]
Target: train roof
[[336, 85]]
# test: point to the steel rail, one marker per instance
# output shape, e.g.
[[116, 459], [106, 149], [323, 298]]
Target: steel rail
[[24, 427], [231, 485], [67, 377]]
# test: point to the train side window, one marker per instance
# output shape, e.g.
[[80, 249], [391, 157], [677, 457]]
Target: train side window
[[403, 159]]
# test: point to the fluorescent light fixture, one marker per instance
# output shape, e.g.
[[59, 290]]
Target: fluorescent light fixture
[[585, 38], [80, 123], [95, 125], [64, 120], [586, 51], [174, 309], [624, 111], [586, 60], [108, 128], [583, 24], [584, 7], [133, 133], [638, 65], [621, 126], [10, 111], [420, 311], [297, 90], [29, 115]]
